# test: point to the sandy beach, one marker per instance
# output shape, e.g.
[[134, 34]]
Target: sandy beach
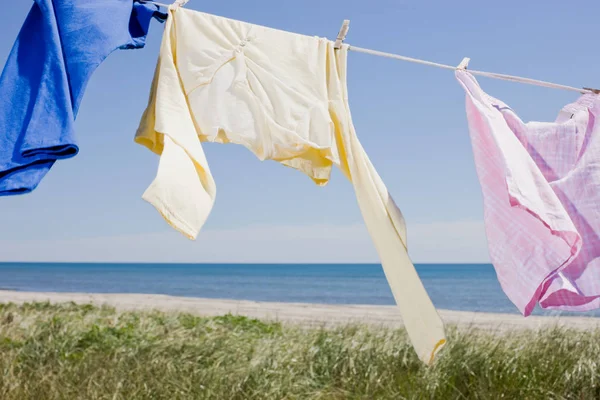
[[297, 313]]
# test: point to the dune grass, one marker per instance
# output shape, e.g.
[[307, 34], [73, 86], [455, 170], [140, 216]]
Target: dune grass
[[82, 352]]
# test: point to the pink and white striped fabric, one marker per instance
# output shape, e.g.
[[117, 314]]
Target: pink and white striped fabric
[[541, 191]]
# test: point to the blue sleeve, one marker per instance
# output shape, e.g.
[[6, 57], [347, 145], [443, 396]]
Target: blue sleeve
[[58, 48]]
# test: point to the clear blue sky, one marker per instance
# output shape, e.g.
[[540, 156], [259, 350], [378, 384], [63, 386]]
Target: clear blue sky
[[410, 118]]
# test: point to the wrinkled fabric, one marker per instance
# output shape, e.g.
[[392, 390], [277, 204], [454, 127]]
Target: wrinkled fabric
[[540, 184], [284, 97], [58, 48]]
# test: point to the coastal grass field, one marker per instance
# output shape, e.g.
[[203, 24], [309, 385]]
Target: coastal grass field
[[71, 351]]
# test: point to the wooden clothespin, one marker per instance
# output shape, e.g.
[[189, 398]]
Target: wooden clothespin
[[464, 63], [342, 34], [179, 3], [595, 91]]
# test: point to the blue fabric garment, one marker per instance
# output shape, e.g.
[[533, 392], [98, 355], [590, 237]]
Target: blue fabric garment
[[60, 45]]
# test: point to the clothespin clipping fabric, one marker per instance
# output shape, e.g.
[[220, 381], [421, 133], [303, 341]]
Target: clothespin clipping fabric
[[464, 63], [342, 34], [178, 3]]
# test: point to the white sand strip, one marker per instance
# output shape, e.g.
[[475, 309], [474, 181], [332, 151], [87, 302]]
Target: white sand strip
[[298, 313]]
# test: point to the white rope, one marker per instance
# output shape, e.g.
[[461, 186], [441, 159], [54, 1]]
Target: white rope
[[487, 74], [512, 78], [176, 4]]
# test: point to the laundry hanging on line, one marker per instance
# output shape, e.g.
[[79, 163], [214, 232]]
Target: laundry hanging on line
[[58, 48], [541, 190], [33, 136], [286, 100], [283, 96]]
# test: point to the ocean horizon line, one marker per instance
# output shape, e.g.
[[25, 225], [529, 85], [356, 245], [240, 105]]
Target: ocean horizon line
[[228, 263]]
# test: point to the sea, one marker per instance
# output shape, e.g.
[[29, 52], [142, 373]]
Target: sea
[[462, 287]]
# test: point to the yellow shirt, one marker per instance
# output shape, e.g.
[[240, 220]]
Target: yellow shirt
[[284, 97]]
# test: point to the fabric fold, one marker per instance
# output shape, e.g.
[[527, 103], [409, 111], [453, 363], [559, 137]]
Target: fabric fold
[[184, 189]]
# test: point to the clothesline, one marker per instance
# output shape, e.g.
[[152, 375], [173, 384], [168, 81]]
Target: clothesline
[[178, 3], [494, 75], [481, 73]]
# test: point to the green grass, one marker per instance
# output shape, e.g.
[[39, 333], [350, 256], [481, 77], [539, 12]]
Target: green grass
[[83, 352]]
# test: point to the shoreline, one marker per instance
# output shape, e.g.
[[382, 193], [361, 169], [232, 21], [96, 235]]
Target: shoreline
[[305, 314]]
